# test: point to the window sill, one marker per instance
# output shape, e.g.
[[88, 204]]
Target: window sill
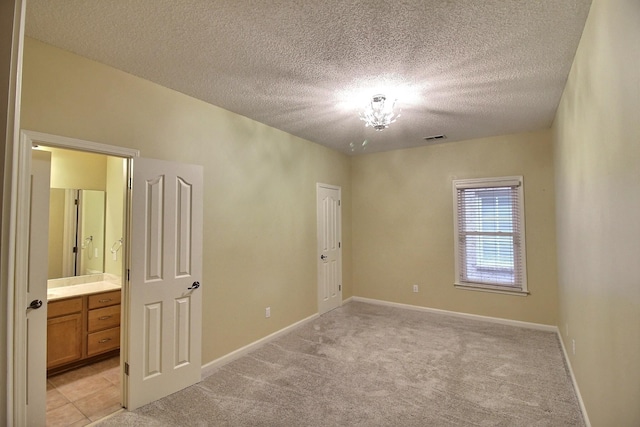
[[491, 289]]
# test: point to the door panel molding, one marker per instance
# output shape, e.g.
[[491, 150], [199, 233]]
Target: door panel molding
[[152, 361], [154, 229]]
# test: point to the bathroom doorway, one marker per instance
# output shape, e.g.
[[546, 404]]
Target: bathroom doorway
[[85, 266], [144, 374]]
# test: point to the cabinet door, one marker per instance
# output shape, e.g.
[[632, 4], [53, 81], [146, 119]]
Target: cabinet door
[[64, 339]]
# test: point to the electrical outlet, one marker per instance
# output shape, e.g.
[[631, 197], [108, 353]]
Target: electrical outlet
[[267, 312], [573, 347], [415, 288]]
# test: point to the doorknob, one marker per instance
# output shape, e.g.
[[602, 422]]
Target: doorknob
[[35, 304], [323, 257], [195, 285]]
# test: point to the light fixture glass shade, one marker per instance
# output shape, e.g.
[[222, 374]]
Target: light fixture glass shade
[[379, 113]]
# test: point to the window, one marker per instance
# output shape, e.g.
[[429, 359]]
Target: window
[[489, 234]]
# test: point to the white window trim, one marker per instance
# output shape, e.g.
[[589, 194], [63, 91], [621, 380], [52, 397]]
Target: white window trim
[[508, 181]]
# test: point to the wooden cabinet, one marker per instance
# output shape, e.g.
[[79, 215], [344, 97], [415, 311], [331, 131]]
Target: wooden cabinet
[[103, 323], [64, 331], [81, 328]]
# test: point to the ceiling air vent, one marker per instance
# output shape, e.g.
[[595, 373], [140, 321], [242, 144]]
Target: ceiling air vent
[[434, 138]]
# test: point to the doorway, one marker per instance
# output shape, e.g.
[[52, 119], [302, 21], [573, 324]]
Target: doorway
[[84, 267], [70, 320], [160, 317]]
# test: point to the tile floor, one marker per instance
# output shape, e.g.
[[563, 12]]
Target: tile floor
[[84, 395]]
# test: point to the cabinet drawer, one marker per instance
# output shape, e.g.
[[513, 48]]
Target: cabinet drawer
[[103, 300], [65, 306], [99, 342], [104, 318]]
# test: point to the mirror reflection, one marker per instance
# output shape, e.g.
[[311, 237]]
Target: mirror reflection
[[76, 232]]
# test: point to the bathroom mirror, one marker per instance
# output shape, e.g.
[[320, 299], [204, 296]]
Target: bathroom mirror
[[76, 232]]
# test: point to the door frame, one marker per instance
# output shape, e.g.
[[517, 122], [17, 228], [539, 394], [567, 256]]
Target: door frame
[[12, 43], [318, 252], [21, 254]]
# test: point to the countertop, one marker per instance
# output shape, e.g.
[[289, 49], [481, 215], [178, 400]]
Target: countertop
[[83, 289]]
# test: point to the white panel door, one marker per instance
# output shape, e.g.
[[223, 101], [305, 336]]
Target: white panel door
[[329, 248], [36, 326], [165, 303]]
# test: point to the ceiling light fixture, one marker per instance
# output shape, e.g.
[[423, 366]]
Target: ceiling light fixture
[[379, 113]]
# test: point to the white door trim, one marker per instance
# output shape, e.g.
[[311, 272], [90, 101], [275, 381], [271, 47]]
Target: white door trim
[[12, 38], [21, 254], [320, 185], [50, 140]]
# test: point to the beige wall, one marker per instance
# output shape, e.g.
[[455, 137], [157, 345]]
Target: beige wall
[[91, 240], [56, 232], [259, 201], [77, 169], [403, 227], [597, 157], [114, 214]]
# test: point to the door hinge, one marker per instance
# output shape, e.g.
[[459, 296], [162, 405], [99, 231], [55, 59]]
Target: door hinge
[[75, 201], [130, 183], [339, 202], [339, 244], [128, 274], [75, 249], [340, 287], [126, 368]]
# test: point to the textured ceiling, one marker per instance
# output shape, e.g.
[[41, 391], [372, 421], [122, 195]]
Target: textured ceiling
[[464, 68]]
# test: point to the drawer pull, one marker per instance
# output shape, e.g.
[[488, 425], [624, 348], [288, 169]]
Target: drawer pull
[[104, 317], [101, 301], [104, 340]]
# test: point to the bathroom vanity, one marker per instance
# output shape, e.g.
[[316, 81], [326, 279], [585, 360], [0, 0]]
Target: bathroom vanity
[[83, 324]]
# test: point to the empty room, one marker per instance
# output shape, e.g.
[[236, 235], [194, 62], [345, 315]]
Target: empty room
[[321, 213]]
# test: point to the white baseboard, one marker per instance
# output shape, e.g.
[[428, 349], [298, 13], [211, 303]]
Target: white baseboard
[[528, 325], [575, 383], [208, 368]]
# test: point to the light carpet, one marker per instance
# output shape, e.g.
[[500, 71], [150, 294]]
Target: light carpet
[[373, 365]]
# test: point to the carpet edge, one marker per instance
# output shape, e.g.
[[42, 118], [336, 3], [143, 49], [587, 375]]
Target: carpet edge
[[518, 323], [583, 409], [208, 368]]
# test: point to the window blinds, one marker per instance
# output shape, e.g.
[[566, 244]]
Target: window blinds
[[490, 233]]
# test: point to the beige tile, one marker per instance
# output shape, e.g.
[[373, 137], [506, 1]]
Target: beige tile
[[65, 416], [72, 376], [101, 403], [108, 364], [112, 375], [55, 399], [83, 387]]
